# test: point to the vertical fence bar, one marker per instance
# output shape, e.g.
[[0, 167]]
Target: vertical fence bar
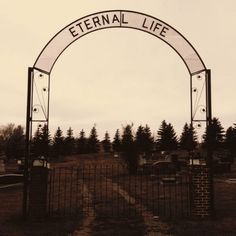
[[88, 203], [181, 196], [65, 190], [118, 182], [106, 189], [101, 185], [152, 189], [59, 190], [135, 191], [71, 187], [129, 189], [188, 194], [77, 190], [49, 193], [112, 194], [53, 189], [164, 194], [141, 189], [170, 198], [82, 195], [175, 198], [158, 194], [94, 186], [147, 190]]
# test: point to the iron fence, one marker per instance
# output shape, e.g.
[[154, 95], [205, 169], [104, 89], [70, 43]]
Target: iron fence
[[110, 191]]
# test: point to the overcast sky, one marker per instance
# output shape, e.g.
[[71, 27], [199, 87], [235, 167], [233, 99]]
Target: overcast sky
[[117, 76]]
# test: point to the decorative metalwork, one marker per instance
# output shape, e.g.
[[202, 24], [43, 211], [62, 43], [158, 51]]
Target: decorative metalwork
[[40, 102], [199, 99]]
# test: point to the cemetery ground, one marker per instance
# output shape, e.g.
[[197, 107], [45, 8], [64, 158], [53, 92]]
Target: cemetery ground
[[12, 224]]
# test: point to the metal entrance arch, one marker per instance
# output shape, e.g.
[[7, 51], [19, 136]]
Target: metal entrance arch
[[39, 75]]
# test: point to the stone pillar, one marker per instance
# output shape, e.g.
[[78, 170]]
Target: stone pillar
[[38, 192], [201, 192]]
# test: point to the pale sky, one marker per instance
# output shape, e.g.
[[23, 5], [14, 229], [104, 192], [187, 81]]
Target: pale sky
[[117, 76]]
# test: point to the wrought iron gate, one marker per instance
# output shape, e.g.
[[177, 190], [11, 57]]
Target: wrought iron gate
[[110, 191]]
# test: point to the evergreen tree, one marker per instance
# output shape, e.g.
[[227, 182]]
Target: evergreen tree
[[144, 140], [167, 139], [82, 143], [188, 138], [230, 140], [140, 139], [69, 142], [106, 143], [148, 140], [116, 144], [214, 135], [129, 150], [41, 141], [45, 140], [36, 142], [58, 143], [93, 142]]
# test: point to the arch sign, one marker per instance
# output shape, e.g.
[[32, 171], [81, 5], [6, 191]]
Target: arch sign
[[118, 19], [39, 74]]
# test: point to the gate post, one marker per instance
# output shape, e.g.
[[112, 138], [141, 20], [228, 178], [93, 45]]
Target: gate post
[[201, 192], [38, 192]]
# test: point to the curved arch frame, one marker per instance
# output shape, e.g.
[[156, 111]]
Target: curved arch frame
[[118, 19], [39, 75]]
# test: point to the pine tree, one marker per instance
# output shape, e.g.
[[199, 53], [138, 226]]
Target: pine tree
[[93, 142], [129, 150], [167, 139], [148, 140], [69, 142], [127, 142], [58, 143], [144, 140], [106, 143], [45, 141], [140, 139], [82, 143], [188, 138], [41, 141], [214, 135], [116, 144], [36, 142]]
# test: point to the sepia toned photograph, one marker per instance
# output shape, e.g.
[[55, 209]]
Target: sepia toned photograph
[[118, 118]]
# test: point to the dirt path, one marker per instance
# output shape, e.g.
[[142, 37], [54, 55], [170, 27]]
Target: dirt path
[[86, 227], [154, 226]]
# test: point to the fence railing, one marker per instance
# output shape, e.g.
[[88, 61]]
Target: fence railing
[[110, 191]]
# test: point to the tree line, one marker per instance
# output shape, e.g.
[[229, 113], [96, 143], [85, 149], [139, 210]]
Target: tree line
[[126, 140]]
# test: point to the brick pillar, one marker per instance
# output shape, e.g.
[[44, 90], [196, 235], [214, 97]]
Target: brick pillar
[[38, 192], [201, 192]]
